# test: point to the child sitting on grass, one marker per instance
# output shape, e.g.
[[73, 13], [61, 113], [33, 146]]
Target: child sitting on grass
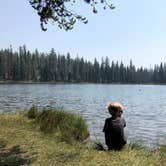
[[114, 127]]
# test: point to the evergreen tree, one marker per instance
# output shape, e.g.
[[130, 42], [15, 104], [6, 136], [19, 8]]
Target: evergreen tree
[[34, 66]]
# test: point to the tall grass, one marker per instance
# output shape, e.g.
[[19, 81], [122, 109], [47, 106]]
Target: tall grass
[[71, 126], [33, 112]]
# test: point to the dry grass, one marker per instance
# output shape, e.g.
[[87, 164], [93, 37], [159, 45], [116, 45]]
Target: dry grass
[[22, 143]]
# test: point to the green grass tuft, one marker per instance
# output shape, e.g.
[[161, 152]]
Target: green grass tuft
[[71, 127], [135, 146], [74, 128], [32, 112]]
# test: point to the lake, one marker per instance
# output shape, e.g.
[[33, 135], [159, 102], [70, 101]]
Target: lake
[[145, 105]]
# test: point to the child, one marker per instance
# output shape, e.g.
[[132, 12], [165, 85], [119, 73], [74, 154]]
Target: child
[[114, 127]]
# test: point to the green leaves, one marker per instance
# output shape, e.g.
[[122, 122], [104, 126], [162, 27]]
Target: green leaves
[[111, 6], [59, 12], [94, 10]]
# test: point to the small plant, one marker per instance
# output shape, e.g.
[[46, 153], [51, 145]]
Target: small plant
[[33, 112]]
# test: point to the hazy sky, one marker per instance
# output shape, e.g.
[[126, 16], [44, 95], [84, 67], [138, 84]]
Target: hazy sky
[[135, 30]]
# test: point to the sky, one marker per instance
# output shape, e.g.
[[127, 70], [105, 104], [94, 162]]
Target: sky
[[135, 29]]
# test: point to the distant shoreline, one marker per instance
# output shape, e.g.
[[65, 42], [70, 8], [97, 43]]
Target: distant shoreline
[[74, 82]]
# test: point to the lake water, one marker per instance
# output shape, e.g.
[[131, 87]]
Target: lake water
[[145, 105]]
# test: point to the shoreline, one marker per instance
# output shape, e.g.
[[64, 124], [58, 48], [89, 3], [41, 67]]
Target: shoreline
[[84, 83]]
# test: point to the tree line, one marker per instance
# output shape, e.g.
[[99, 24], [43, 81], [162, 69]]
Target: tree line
[[24, 65]]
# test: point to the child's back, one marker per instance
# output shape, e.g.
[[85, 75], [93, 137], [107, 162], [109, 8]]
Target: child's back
[[114, 133], [114, 127]]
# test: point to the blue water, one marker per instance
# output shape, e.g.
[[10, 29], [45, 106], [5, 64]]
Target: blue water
[[145, 105]]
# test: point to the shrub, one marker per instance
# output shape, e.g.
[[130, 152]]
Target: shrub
[[33, 112]]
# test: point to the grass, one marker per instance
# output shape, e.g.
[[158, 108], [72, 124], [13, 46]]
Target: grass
[[71, 127], [32, 112], [23, 143]]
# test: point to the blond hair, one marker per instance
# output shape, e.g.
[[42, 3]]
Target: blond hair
[[113, 107]]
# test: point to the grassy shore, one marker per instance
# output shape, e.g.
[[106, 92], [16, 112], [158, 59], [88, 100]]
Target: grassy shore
[[22, 142]]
